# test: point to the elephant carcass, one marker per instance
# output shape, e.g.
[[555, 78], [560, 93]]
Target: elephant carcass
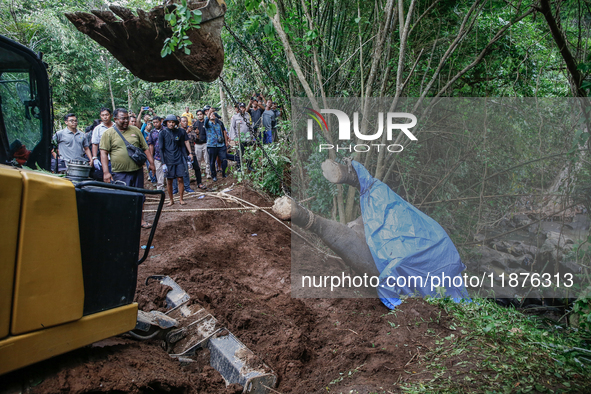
[[136, 41], [347, 241], [399, 243]]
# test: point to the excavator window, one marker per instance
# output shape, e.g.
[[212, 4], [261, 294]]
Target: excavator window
[[21, 120]]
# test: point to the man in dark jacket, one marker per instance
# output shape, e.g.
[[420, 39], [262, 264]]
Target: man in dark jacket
[[255, 109], [183, 126], [192, 137], [172, 142]]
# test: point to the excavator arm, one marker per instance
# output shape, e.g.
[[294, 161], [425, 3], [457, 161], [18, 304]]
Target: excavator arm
[[136, 40]]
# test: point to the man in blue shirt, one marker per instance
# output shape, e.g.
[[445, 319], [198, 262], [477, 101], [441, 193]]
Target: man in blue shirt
[[216, 143]]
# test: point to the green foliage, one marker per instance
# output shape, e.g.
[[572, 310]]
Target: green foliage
[[504, 350], [323, 190], [181, 20], [270, 167], [582, 311]]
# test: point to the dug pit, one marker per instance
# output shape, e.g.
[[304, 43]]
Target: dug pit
[[244, 281]]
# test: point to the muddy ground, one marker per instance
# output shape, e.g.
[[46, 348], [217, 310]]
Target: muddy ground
[[243, 279]]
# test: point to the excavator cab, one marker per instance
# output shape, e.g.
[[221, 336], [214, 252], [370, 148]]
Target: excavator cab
[[67, 275], [25, 108]]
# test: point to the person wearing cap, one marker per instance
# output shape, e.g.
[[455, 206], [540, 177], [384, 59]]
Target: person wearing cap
[[239, 130], [216, 143], [201, 142], [172, 141]]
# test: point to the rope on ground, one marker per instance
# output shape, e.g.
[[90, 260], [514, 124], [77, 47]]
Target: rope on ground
[[152, 201], [290, 229], [228, 197], [209, 209]]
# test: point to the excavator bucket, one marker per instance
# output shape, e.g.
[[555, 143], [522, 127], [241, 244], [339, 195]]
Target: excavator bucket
[[136, 40], [187, 328]]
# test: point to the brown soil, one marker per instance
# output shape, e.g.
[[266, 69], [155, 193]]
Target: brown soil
[[313, 345]]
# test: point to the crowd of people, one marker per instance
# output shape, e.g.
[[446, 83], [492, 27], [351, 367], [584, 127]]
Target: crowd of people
[[171, 145]]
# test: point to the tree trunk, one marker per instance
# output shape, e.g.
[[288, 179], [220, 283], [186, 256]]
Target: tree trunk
[[225, 117], [296, 66], [383, 35], [109, 80]]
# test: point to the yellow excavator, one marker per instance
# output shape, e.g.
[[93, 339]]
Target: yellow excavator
[[69, 251], [67, 275]]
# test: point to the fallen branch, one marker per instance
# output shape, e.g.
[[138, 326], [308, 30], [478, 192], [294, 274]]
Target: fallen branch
[[347, 329], [518, 228], [492, 196]]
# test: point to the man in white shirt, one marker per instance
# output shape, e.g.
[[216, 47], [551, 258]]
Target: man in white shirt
[[97, 133]]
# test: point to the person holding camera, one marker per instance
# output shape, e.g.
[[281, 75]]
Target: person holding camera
[[143, 121], [216, 143]]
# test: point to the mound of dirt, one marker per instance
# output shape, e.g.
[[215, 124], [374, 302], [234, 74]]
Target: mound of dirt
[[237, 265]]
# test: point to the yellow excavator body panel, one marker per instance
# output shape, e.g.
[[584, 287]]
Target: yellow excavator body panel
[[11, 189], [48, 285], [41, 274], [22, 350]]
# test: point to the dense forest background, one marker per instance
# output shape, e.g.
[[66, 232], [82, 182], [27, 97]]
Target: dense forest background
[[529, 166], [359, 49], [385, 48]]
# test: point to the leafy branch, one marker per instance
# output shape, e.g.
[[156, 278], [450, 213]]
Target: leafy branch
[[181, 20]]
